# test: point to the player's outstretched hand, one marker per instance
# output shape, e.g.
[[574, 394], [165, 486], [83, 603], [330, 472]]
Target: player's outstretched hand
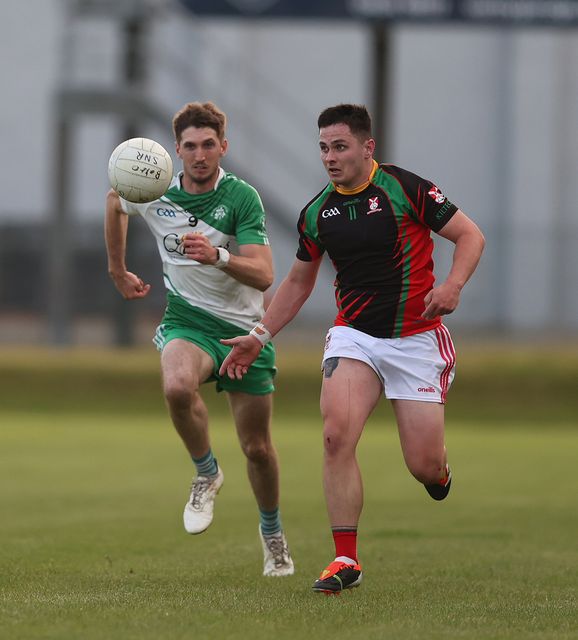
[[130, 285], [244, 352]]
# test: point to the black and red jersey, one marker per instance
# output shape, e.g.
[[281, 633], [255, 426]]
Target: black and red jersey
[[379, 240]]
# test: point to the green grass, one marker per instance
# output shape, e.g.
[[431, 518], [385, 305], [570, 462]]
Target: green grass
[[93, 481]]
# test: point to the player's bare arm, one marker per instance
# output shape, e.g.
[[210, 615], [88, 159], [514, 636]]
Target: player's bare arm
[[470, 242], [288, 299], [128, 284], [253, 266]]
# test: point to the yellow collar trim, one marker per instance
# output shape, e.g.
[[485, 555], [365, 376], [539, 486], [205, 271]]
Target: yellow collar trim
[[361, 187]]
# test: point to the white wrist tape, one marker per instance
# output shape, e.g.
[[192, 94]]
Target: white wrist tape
[[223, 257], [261, 332]]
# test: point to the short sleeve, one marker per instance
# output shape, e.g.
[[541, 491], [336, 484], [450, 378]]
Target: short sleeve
[[250, 218], [429, 204], [436, 210], [310, 248], [131, 208]]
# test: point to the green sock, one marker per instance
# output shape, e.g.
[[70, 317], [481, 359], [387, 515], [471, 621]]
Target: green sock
[[270, 521], [207, 465]]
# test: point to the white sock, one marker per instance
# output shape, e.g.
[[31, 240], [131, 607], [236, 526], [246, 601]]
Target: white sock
[[345, 559]]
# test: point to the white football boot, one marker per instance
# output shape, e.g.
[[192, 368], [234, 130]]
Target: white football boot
[[198, 513], [276, 557]]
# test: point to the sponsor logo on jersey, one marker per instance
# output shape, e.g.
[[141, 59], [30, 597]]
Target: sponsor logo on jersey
[[220, 212], [373, 204], [173, 243], [436, 194], [328, 213], [441, 213]]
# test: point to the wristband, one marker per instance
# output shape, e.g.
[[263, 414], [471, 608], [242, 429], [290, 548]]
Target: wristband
[[262, 334], [223, 257]]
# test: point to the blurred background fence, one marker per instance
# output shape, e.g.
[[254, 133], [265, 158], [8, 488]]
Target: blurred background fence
[[480, 96]]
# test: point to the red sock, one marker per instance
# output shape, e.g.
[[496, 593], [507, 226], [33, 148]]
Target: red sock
[[345, 539]]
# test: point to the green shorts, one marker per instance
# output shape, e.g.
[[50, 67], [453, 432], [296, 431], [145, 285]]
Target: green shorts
[[182, 320]]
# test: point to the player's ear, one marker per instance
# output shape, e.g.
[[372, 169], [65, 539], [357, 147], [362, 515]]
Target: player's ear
[[224, 146], [369, 148]]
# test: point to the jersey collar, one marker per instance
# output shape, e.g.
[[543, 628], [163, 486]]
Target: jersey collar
[[361, 187], [181, 173]]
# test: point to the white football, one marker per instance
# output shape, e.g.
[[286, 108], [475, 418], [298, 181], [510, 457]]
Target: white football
[[140, 170]]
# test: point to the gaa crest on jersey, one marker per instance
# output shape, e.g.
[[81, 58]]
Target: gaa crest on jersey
[[373, 204], [436, 194], [220, 212]]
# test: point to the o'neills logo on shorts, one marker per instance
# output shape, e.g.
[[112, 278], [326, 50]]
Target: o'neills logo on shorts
[[426, 390]]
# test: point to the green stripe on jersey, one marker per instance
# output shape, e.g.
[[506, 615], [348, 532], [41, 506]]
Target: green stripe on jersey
[[402, 209], [312, 213], [405, 273], [399, 201]]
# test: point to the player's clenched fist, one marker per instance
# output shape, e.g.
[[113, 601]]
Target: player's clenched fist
[[197, 246]]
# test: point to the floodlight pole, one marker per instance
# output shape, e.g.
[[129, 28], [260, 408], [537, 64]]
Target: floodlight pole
[[60, 279], [73, 103], [134, 29], [381, 86]]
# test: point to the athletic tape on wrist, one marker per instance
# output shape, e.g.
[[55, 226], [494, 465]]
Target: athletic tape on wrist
[[261, 332], [223, 257]]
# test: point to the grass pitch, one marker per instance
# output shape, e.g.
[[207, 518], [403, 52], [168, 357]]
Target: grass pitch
[[93, 481]]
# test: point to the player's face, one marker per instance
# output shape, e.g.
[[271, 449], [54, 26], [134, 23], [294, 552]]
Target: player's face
[[347, 159], [201, 151]]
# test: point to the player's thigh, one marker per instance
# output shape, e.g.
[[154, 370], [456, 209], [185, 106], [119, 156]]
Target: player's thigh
[[252, 416], [421, 428], [185, 365], [350, 390]]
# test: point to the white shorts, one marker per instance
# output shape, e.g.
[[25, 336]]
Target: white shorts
[[418, 367]]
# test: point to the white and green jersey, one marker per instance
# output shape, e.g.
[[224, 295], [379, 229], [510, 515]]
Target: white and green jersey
[[230, 215]]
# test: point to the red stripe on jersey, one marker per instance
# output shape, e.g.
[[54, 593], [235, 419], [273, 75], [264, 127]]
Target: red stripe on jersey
[[421, 199], [342, 318], [346, 309], [339, 301], [418, 262], [361, 308], [312, 249]]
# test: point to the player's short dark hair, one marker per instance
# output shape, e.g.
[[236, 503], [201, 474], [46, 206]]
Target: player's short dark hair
[[355, 116], [200, 115]]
